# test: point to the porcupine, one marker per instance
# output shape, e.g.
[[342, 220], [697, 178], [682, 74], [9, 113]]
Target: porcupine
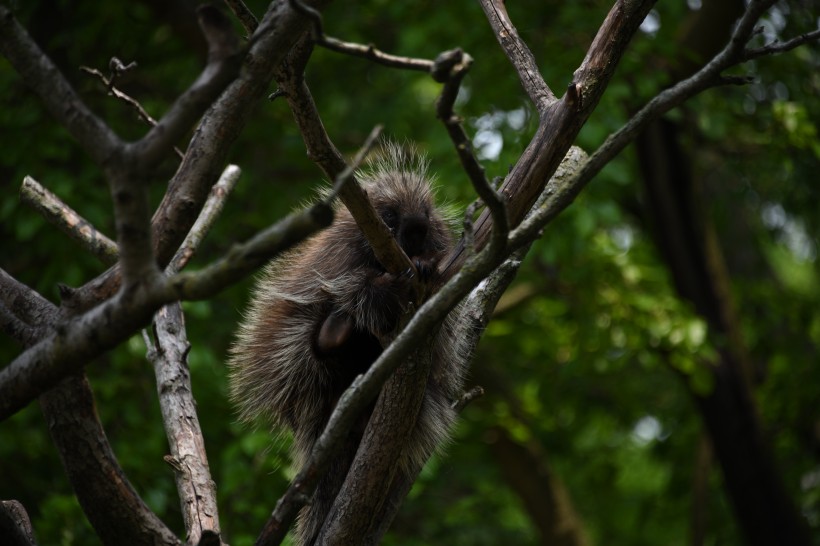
[[312, 325]]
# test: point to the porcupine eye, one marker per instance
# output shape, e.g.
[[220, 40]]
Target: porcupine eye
[[391, 218]]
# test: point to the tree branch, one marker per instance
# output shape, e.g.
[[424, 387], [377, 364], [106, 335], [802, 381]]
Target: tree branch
[[562, 120], [708, 76], [519, 55], [245, 15], [370, 53], [197, 491], [321, 150], [78, 340], [113, 507], [15, 525], [781, 47], [59, 98], [25, 309], [204, 160], [222, 67], [210, 212], [68, 221]]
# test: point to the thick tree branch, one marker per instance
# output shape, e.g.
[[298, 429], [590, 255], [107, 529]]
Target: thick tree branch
[[188, 459], [68, 221], [708, 76], [113, 507], [15, 525], [62, 102], [519, 54], [25, 309]]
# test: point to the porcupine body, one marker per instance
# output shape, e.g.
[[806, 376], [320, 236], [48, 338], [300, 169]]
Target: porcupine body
[[312, 323]]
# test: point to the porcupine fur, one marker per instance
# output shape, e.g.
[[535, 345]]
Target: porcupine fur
[[287, 364]]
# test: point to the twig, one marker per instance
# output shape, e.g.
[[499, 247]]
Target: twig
[[347, 175], [245, 15], [210, 212], [781, 47], [450, 68], [370, 53], [127, 99], [519, 55], [466, 398], [68, 221]]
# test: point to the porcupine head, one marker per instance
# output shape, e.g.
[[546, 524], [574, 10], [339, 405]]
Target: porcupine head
[[315, 316]]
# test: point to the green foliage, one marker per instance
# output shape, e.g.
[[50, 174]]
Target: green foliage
[[593, 364]]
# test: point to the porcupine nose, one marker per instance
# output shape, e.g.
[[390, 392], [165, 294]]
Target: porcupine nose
[[412, 235]]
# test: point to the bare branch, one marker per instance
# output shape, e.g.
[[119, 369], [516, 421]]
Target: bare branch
[[450, 68], [75, 342], [110, 502], [197, 491], [210, 145], [370, 53], [15, 525], [519, 54], [62, 102], [18, 330], [68, 221], [24, 310], [562, 120], [245, 15], [563, 194], [210, 212], [222, 67], [320, 149], [782, 47], [124, 97]]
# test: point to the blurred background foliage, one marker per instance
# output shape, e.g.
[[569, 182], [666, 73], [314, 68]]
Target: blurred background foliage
[[592, 354]]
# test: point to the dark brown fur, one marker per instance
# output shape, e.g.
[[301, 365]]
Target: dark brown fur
[[312, 323]]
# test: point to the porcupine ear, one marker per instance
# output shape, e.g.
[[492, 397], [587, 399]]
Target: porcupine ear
[[334, 333]]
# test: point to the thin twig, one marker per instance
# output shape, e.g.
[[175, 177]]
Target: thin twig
[[377, 56], [127, 99], [472, 394], [781, 47], [68, 221], [346, 176], [451, 67]]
